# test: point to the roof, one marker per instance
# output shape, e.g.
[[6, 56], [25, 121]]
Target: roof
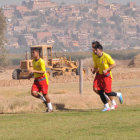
[[39, 46]]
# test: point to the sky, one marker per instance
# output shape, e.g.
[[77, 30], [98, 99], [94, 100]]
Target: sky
[[3, 2]]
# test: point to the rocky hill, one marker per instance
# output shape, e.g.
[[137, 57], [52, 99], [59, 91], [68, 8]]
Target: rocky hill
[[135, 62]]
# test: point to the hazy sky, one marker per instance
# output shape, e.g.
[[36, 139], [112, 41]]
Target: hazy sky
[[3, 2]]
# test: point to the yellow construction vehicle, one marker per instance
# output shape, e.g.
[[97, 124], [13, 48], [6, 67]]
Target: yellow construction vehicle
[[54, 66]]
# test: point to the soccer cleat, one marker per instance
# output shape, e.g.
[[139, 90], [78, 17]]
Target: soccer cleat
[[113, 107], [121, 98], [106, 109]]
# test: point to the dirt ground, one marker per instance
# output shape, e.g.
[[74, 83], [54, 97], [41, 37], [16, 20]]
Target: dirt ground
[[118, 74], [64, 92]]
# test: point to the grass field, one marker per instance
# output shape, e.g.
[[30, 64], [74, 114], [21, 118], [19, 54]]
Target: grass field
[[122, 124], [22, 116]]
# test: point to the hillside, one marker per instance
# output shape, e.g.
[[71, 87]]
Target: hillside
[[72, 27], [135, 62]]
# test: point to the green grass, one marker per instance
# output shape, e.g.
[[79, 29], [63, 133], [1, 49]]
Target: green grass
[[122, 124]]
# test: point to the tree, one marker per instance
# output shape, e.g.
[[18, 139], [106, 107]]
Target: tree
[[2, 38]]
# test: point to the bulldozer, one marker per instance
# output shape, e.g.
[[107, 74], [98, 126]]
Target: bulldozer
[[54, 65]]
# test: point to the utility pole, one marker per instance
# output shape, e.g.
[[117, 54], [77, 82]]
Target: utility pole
[[81, 77]]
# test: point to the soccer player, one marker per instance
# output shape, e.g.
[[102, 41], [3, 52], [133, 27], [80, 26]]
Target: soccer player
[[95, 71], [103, 81], [40, 84]]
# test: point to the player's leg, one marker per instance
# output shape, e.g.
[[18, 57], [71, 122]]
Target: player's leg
[[117, 94], [49, 104], [95, 86], [37, 95], [96, 91], [99, 86], [108, 91], [104, 100], [35, 92], [44, 90], [107, 80]]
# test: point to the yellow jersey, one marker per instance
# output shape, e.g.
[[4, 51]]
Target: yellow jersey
[[39, 65], [95, 57], [103, 62]]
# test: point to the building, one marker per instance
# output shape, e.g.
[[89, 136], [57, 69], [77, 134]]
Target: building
[[43, 35], [131, 5], [101, 2], [103, 12], [22, 9], [8, 11], [41, 4], [114, 7]]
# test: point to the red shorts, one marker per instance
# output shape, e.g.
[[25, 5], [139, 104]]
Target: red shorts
[[40, 85], [103, 82]]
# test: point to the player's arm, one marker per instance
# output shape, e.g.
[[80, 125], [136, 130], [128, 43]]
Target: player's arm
[[109, 69], [37, 71], [111, 63], [34, 71], [31, 75], [95, 68]]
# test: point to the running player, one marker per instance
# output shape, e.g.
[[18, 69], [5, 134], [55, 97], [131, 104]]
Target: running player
[[40, 84], [95, 71], [104, 64]]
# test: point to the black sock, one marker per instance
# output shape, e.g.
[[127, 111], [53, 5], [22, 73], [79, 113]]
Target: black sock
[[102, 96], [111, 94]]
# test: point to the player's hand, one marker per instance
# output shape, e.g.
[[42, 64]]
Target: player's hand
[[93, 70], [30, 76], [105, 71]]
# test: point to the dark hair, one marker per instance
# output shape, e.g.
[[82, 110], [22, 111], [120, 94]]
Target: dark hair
[[97, 45], [37, 50], [95, 42]]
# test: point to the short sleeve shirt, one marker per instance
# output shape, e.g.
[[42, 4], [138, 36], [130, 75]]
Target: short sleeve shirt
[[104, 62], [40, 66]]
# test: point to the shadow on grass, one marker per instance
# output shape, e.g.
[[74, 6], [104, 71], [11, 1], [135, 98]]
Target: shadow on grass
[[61, 107]]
